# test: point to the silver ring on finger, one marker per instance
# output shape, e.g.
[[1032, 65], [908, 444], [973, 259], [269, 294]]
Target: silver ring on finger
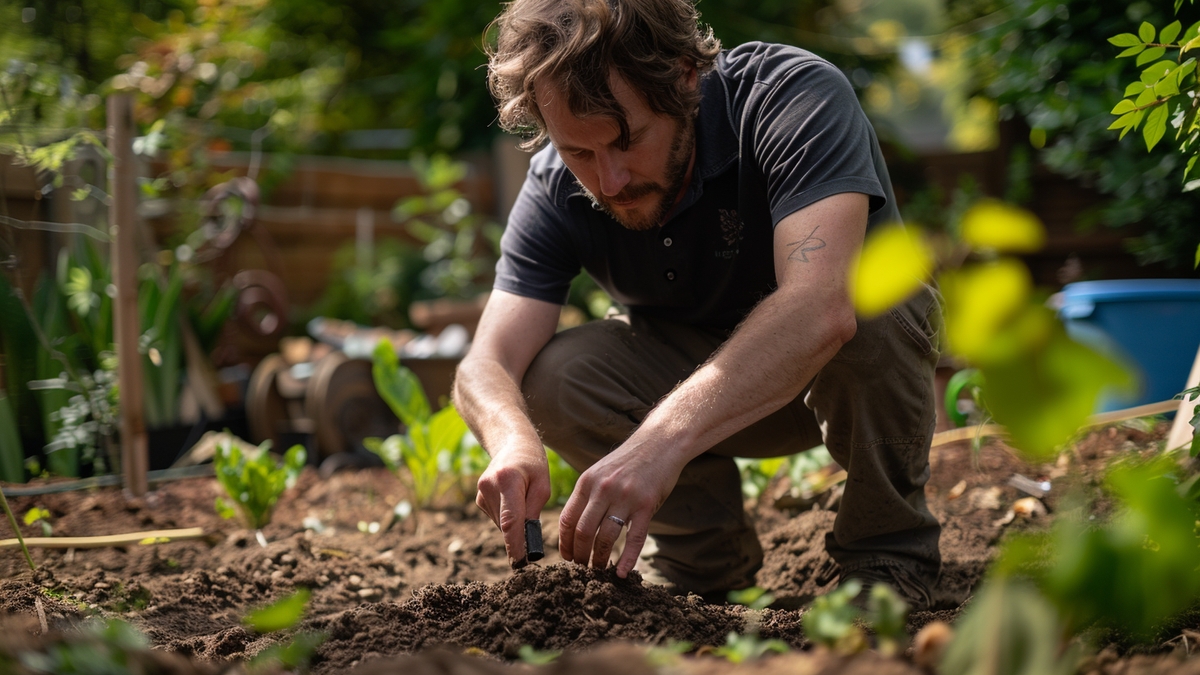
[[617, 520]]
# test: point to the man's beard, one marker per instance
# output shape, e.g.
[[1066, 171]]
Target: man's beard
[[678, 157]]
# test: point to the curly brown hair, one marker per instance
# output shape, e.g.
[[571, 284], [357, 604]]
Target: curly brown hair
[[579, 44]]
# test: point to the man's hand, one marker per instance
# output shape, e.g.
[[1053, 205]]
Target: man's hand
[[516, 484], [627, 486], [513, 489]]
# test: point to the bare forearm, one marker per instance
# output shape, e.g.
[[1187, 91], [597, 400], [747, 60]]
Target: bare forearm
[[761, 368], [490, 401]]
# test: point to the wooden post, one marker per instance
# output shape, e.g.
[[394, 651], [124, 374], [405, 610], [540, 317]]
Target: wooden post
[[1181, 429], [135, 455]]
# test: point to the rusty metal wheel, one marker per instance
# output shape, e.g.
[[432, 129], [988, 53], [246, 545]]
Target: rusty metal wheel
[[266, 408], [344, 406]]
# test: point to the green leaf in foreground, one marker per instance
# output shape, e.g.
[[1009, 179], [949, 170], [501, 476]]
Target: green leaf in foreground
[[536, 657], [750, 647], [1009, 629], [279, 615], [1048, 386], [291, 656]]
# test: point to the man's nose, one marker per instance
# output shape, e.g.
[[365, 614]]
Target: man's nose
[[613, 173]]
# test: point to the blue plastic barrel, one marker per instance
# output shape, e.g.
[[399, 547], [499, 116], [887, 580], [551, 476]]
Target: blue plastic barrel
[[1152, 325]]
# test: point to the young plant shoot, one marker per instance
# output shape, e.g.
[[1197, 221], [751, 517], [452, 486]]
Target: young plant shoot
[[429, 457], [253, 482]]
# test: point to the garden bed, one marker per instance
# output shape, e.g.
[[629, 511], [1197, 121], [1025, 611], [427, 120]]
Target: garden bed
[[444, 581]]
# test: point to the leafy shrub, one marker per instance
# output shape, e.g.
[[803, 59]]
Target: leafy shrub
[[253, 481], [1132, 573]]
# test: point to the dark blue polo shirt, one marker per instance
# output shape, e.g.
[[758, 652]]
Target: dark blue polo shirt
[[778, 129]]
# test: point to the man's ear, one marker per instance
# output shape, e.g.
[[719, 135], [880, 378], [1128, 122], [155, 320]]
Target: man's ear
[[691, 77]]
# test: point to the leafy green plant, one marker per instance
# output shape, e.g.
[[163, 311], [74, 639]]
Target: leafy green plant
[[887, 613], [739, 648], [757, 473], [292, 655], [430, 456], [1132, 573], [1009, 629], [562, 478], [112, 647], [279, 615], [754, 597], [831, 621], [1050, 67], [537, 657], [460, 246], [253, 481]]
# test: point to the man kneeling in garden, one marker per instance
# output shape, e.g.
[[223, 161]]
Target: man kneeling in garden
[[721, 197]]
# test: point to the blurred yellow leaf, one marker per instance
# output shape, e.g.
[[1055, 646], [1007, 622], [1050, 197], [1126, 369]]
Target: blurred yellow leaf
[[997, 226], [895, 261], [980, 301]]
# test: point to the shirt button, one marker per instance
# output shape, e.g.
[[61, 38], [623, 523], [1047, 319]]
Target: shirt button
[[670, 275], [667, 241]]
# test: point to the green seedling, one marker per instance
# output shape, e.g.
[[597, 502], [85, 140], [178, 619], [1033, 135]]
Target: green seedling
[[537, 657], [279, 615], [430, 456], [662, 656], [748, 647], [253, 481], [12, 520], [40, 516], [753, 597], [887, 613], [111, 647], [830, 622], [292, 655]]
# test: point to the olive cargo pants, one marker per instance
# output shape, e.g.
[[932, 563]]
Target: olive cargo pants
[[872, 405]]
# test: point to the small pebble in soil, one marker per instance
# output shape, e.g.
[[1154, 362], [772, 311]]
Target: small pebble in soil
[[354, 581], [368, 593], [455, 546]]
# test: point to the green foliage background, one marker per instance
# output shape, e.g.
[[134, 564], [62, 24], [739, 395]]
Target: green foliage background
[[1050, 66]]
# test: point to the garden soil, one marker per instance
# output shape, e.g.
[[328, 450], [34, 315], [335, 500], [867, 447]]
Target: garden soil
[[435, 593]]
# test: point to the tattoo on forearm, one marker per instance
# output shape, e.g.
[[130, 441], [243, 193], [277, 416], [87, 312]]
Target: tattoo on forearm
[[801, 249]]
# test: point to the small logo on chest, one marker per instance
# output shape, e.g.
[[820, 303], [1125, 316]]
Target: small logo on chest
[[731, 226]]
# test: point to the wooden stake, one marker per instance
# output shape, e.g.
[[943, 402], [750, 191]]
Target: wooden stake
[[135, 456], [1181, 428]]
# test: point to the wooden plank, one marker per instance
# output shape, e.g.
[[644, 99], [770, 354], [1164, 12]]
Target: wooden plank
[[135, 457], [981, 430], [1181, 429], [102, 541]]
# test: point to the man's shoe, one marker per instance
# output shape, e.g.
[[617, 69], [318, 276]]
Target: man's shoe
[[907, 582]]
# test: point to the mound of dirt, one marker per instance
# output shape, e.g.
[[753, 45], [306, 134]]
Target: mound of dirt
[[548, 608]]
